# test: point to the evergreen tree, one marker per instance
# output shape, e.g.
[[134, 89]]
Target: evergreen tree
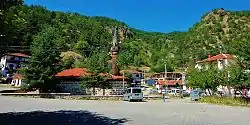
[[42, 66]]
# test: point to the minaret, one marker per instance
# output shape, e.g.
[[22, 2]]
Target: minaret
[[114, 51]]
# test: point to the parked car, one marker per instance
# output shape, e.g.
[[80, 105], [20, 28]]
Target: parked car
[[195, 95], [185, 93], [133, 93]]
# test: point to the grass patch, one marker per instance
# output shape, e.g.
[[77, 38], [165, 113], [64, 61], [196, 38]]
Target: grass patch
[[230, 101]]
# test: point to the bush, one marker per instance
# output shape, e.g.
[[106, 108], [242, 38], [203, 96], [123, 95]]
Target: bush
[[226, 100]]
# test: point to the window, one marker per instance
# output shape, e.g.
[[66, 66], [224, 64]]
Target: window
[[136, 90], [16, 58], [128, 90]]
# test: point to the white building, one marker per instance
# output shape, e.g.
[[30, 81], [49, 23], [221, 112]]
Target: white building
[[221, 60], [170, 79], [12, 61]]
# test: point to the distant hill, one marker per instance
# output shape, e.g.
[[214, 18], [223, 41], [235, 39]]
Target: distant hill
[[219, 30]]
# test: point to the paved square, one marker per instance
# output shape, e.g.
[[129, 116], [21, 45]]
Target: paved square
[[20, 111]]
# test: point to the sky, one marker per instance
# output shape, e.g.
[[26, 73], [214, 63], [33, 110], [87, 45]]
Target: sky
[[149, 15]]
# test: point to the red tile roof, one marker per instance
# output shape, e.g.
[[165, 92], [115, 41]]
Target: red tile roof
[[18, 54], [79, 72], [75, 72], [169, 82], [17, 76], [218, 57]]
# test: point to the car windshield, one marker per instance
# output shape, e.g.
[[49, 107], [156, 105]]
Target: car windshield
[[136, 90]]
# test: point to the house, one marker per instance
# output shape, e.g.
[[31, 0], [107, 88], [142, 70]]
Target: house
[[17, 80], [12, 61], [169, 78], [70, 82], [171, 84], [221, 60], [136, 75]]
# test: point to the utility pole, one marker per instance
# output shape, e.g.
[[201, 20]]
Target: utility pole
[[165, 74], [123, 80]]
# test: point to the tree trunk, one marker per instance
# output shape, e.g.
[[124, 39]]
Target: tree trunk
[[229, 90], [93, 91]]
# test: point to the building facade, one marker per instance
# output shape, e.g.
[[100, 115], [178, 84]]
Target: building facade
[[170, 79], [70, 82], [12, 61], [221, 60]]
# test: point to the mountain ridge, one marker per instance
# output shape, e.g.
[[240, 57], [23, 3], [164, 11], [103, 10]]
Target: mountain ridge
[[218, 31]]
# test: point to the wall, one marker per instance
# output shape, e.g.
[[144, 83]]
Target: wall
[[74, 87]]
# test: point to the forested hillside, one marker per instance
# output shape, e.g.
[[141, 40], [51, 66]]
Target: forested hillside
[[222, 31], [91, 37]]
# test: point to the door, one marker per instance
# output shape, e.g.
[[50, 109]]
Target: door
[[127, 94]]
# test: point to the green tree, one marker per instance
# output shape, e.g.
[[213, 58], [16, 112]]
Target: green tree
[[95, 81], [42, 66], [98, 68], [5, 24], [68, 59], [81, 46], [204, 78]]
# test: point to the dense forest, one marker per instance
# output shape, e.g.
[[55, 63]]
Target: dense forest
[[87, 39]]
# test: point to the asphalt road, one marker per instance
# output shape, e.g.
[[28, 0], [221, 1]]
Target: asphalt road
[[30, 111]]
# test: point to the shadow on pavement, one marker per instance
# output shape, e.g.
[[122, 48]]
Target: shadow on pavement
[[61, 117]]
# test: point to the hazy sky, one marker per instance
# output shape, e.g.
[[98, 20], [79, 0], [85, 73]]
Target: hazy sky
[[149, 15]]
